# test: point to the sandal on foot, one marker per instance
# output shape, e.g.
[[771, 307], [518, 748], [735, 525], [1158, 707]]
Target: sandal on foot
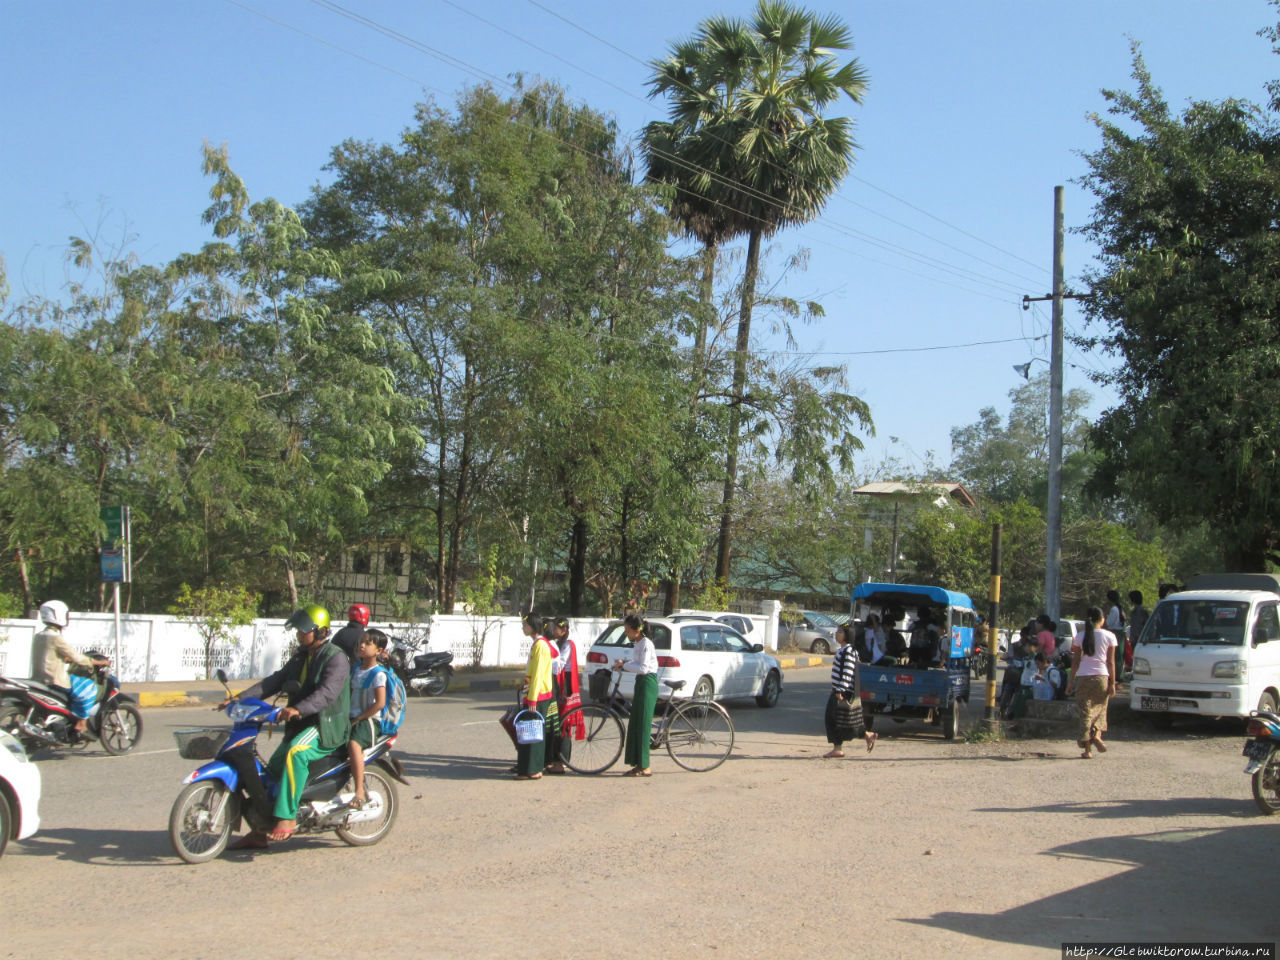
[[1086, 755], [279, 836], [250, 841], [832, 755], [357, 803], [871, 741], [528, 776], [1099, 746]]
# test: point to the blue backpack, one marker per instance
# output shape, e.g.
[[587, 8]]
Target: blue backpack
[[392, 715]]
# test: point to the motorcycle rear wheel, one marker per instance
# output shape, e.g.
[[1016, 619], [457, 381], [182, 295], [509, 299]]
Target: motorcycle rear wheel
[[437, 683], [1266, 784], [200, 823], [380, 790], [120, 728]]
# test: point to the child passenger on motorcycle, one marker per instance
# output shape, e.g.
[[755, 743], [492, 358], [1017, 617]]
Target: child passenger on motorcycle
[[368, 697]]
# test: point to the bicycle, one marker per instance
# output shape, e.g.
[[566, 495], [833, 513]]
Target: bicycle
[[698, 734]]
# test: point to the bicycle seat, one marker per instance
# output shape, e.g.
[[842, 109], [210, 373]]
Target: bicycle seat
[[675, 684]]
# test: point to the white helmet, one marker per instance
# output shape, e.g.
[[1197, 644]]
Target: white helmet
[[55, 612]]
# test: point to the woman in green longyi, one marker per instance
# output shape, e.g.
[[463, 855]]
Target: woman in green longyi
[[643, 663]]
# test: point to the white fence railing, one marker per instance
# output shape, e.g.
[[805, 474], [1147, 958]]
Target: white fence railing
[[162, 647]]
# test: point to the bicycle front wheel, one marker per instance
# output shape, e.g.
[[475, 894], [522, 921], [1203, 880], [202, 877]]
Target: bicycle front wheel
[[601, 743], [699, 735]]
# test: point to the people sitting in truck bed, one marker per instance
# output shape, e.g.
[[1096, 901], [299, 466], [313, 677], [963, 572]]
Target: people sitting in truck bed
[[925, 641], [876, 642]]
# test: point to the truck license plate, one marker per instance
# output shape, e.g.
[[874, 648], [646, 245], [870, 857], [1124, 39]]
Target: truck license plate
[[1155, 704]]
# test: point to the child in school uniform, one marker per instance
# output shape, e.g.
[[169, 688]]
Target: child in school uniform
[[368, 697]]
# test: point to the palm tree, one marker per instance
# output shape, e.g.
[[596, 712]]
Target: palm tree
[[747, 151]]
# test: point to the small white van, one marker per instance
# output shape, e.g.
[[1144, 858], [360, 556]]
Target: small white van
[[1211, 650]]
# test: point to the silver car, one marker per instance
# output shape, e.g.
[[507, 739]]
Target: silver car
[[815, 632]]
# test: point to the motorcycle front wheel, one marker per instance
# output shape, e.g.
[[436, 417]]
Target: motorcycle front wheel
[[380, 808], [119, 728], [1266, 784], [200, 823]]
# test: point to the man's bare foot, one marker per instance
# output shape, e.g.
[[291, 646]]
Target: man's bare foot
[[832, 754]]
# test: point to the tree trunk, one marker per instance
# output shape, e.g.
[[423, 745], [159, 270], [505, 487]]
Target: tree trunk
[[671, 602], [293, 585], [578, 568], [28, 609], [735, 420]]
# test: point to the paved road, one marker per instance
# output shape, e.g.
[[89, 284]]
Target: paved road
[[922, 849]]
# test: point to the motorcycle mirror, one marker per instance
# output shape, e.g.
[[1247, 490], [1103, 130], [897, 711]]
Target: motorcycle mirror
[[222, 678]]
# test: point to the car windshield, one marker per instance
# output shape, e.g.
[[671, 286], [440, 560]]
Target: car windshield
[[819, 619], [615, 636], [1197, 621]]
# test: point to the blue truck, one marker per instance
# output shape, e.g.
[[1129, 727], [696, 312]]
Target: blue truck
[[902, 688]]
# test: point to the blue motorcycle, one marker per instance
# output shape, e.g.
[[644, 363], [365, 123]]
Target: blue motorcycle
[[235, 786], [1263, 752]]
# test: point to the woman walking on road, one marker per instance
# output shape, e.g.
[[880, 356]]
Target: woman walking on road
[[1093, 678], [643, 663], [844, 709], [539, 697]]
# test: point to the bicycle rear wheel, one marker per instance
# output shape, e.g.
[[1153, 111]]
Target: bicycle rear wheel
[[699, 735], [601, 744]]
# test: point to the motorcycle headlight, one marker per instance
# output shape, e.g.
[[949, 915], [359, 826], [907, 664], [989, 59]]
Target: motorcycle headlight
[[1141, 667], [240, 712], [1231, 670]]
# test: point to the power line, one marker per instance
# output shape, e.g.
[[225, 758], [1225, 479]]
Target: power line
[[457, 63], [727, 181], [892, 196]]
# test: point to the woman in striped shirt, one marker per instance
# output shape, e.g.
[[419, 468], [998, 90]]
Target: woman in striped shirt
[[844, 708]]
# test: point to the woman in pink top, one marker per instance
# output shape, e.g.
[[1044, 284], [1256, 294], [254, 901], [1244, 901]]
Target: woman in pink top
[[1093, 678], [1048, 639]]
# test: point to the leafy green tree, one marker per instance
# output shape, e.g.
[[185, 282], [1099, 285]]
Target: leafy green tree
[[215, 611], [1185, 293], [750, 152], [1010, 462], [316, 412]]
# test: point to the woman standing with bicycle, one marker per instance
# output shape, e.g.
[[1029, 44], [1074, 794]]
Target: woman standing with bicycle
[[844, 709], [643, 663]]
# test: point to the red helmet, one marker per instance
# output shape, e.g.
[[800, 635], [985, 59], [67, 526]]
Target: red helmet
[[359, 613]]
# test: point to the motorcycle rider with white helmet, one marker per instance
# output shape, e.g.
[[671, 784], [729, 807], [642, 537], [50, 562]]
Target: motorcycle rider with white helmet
[[50, 655]]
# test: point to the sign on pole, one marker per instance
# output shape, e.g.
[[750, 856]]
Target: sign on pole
[[117, 558]]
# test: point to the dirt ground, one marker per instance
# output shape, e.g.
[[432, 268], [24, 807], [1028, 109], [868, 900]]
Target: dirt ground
[[921, 849]]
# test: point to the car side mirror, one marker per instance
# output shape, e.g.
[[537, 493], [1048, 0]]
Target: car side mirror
[[757, 648]]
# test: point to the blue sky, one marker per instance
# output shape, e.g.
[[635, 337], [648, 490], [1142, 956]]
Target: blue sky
[[975, 111]]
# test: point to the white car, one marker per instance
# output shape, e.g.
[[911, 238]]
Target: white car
[[714, 660], [740, 622], [19, 792]]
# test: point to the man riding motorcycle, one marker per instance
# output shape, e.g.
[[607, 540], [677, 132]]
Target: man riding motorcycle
[[50, 655], [348, 638], [316, 719]]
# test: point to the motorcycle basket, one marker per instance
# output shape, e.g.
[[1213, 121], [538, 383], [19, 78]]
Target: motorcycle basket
[[202, 744]]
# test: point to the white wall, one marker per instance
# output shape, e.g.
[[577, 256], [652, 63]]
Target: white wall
[[156, 648]]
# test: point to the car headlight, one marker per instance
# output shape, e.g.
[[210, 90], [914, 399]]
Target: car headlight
[[1231, 669], [15, 747], [1141, 667]]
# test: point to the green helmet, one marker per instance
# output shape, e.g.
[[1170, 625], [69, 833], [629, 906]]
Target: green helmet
[[309, 618]]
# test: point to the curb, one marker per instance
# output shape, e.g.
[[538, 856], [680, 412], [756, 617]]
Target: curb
[[178, 698]]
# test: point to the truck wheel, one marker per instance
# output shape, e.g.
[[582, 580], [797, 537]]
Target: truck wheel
[[951, 720]]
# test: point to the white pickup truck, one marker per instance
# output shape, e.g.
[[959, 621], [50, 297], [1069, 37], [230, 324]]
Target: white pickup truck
[[1211, 650]]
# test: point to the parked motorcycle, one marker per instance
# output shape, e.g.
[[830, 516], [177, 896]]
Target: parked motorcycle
[[1263, 752], [41, 716], [235, 786], [425, 673]]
